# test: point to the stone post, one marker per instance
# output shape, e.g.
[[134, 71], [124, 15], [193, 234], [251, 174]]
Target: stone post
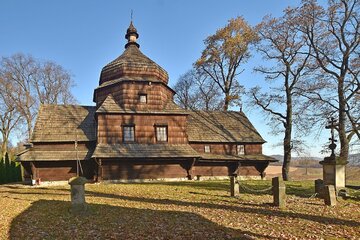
[[78, 203], [234, 186], [279, 192], [319, 187], [329, 195]]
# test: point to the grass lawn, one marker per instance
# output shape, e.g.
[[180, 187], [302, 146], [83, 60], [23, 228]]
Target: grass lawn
[[176, 210]]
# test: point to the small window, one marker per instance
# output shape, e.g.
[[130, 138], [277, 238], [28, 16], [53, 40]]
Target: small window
[[161, 133], [143, 98], [240, 149], [207, 148], [129, 133]]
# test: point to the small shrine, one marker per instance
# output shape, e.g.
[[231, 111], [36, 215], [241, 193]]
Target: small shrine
[[333, 166]]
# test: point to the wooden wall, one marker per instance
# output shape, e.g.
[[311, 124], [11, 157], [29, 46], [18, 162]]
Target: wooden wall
[[127, 95], [112, 170], [227, 148], [58, 170], [110, 128], [115, 169]]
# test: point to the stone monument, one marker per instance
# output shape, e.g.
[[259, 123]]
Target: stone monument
[[329, 195], [78, 204], [333, 167]]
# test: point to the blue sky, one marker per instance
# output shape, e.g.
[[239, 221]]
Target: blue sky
[[83, 36]]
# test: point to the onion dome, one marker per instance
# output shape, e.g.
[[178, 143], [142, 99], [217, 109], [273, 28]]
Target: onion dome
[[133, 64]]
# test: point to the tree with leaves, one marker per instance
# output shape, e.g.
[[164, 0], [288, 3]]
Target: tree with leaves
[[282, 44], [27, 82], [223, 55], [334, 37]]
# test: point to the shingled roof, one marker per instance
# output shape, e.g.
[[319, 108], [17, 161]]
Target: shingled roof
[[133, 63], [63, 123], [240, 158], [145, 151], [221, 126], [36, 155], [111, 106]]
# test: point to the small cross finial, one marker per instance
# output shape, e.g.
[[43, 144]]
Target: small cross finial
[[131, 16], [332, 125]]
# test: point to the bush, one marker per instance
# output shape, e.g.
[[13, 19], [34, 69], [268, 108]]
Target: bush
[[10, 171]]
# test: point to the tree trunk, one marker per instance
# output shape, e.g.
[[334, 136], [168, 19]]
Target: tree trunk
[[4, 147], [288, 131], [226, 102], [344, 143], [29, 127], [287, 158]]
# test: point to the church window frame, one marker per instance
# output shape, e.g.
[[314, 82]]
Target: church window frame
[[128, 133], [143, 98], [240, 149], [207, 149], [161, 132]]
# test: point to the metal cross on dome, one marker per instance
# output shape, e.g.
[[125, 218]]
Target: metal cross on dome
[[331, 126]]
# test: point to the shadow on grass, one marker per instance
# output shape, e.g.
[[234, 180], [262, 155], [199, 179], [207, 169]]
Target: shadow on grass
[[49, 219], [265, 211]]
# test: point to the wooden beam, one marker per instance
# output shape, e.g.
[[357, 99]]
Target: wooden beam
[[33, 171]]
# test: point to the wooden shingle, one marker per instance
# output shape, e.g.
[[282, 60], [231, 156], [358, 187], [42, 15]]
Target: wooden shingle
[[221, 127], [63, 123], [252, 157], [145, 151], [34, 155], [111, 106]]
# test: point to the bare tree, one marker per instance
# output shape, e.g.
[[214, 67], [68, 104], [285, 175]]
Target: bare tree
[[208, 93], [9, 117], [29, 82], [53, 84], [196, 91], [19, 72], [185, 91], [334, 37], [224, 52], [285, 46]]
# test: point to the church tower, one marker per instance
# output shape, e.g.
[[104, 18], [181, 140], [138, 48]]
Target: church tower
[[133, 80]]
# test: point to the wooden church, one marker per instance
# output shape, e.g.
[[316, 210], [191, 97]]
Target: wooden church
[[136, 131]]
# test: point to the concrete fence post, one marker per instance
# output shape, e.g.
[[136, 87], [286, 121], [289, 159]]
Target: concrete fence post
[[234, 186], [279, 192]]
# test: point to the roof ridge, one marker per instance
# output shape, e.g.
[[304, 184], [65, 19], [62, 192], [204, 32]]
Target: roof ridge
[[63, 104]]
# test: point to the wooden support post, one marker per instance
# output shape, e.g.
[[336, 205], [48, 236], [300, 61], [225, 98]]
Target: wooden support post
[[279, 192], [100, 171], [188, 165], [33, 173], [260, 167]]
